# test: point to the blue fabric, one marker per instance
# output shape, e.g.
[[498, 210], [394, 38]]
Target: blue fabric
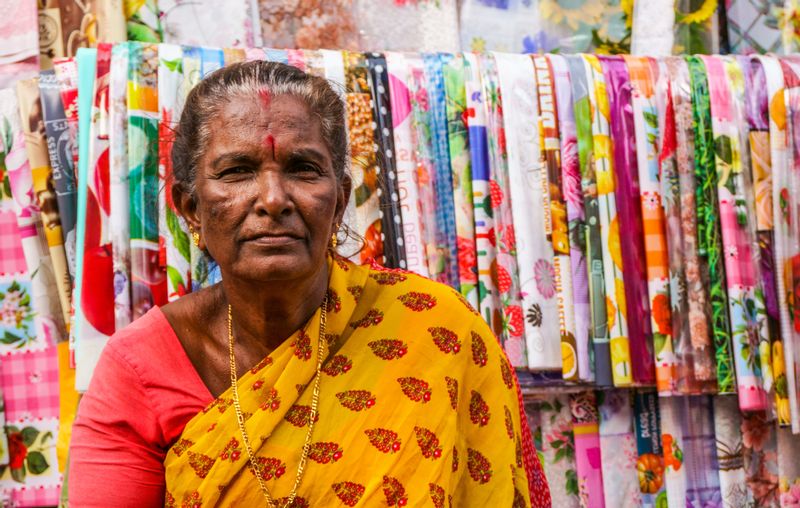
[[443, 183]]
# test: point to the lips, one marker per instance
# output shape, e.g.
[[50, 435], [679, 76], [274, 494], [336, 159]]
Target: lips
[[273, 239]]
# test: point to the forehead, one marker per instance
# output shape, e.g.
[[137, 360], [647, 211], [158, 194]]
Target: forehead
[[247, 119]]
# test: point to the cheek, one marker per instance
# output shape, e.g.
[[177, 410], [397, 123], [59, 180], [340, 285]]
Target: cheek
[[318, 210], [222, 210]]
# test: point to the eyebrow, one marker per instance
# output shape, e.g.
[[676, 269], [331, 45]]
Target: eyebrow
[[307, 154], [233, 157]]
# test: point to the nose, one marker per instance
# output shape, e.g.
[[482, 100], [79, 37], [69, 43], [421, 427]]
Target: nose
[[273, 197]]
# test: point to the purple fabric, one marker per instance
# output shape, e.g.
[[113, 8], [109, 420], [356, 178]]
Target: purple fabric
[[640, 333]]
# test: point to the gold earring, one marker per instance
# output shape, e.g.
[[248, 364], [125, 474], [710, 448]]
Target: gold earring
[[334, 239], [195, 237]]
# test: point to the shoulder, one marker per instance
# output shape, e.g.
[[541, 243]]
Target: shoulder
[[418, 294], [144, 341]]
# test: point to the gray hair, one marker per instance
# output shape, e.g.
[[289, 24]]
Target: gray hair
[[248, 79]]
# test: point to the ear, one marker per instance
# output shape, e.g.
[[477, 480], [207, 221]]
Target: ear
[[343, 198], [186, 206]]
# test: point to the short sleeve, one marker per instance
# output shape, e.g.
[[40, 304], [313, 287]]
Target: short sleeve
[[495, 467], [116, 457]]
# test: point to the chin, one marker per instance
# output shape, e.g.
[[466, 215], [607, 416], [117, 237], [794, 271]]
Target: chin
[[277, 267]]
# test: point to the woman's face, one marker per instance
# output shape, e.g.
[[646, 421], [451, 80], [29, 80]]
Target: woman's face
[[267, 196]]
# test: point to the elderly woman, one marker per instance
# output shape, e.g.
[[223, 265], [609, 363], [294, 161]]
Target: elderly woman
[[301, 379]]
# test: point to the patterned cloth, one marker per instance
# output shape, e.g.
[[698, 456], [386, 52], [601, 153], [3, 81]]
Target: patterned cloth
[[457, 416]]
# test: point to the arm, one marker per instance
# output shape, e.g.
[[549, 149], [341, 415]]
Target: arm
[[116, 454]]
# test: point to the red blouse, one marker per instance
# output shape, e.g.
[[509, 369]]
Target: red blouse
[[150, 390]]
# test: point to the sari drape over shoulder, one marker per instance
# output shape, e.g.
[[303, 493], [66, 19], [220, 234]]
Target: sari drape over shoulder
[[418, 406]]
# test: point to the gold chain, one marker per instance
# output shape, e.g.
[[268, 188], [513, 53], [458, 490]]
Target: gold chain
[[323, 317]]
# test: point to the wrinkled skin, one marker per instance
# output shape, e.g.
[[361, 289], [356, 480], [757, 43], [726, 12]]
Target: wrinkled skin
[[267, 200]]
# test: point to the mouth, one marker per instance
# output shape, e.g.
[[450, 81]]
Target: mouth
[[274, 239]]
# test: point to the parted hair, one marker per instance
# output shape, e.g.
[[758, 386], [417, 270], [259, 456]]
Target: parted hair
[[249, 79]]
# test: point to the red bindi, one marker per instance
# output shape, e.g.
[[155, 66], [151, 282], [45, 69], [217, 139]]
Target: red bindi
[[266, 97], [269, 142]]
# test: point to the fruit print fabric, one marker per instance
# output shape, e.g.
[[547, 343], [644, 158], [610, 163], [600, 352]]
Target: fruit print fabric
[[780, 175], [489, 304], [757, 108], [573, 198], [366, 465], [627, 191], [609, 225], [582, 85], [504, 269]]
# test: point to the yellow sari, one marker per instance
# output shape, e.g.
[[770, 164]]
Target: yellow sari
[[418, 406]]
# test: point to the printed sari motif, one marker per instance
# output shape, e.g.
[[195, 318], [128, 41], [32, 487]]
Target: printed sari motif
[[504, 269], [572, 194], [582, 86], [650, 453], [527, 186], [172, 231], [745, 295], [148, 280], [436, 251], [368, 379], [784, 111], [760, 172], [461, 171], [603, 166], [626, 158], [405, 159], [119, 188], [709, 237], [689, 274]]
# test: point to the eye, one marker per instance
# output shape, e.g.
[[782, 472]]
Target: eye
[[234, 171], [306, 168]]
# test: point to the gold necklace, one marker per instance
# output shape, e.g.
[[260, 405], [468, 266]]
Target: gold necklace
[[312, 417]]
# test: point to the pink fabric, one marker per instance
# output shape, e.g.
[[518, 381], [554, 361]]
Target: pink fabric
[[30, 384], [143, 392], [12, 258]]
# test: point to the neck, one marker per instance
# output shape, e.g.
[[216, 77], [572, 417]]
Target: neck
[[266, 314]]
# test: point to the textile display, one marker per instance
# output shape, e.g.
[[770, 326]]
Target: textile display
[[623, 224]]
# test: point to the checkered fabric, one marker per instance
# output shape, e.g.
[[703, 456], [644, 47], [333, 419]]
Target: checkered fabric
[[12, 258], [35, 496], [30, 384]]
